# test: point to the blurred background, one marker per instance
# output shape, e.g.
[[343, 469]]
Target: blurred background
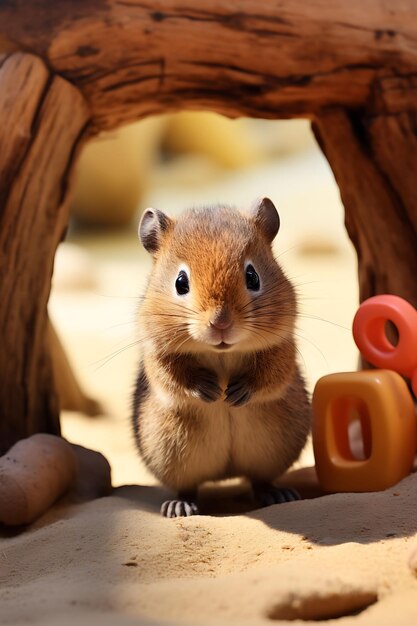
[[173, 162]]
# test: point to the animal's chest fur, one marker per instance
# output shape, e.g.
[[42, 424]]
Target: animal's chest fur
[[245, 440], [186, 442], [213, 441], [251, 434]]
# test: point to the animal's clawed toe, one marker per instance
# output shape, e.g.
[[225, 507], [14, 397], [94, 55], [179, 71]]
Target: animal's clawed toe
[[178, 508], [238, 392], [268, 495], [207, 386]]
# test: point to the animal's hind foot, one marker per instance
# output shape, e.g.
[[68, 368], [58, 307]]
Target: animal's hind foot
[[179, 508], [266, 495]]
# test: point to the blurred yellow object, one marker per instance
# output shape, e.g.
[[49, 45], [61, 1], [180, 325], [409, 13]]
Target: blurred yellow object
[[113, 173], [235, 143], [213, 135]]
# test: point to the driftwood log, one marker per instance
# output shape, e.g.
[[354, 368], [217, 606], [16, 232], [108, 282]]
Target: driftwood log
[[71, 69]]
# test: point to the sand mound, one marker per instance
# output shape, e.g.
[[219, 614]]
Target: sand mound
[[116, 561]]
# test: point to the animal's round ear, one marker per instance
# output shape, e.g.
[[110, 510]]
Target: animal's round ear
[[152, 228], [266, 217]]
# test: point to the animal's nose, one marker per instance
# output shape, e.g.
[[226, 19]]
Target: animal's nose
[[221, 321]]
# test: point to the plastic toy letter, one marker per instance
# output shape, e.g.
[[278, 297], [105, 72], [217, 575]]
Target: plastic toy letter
[[380, 401], [369, 332]]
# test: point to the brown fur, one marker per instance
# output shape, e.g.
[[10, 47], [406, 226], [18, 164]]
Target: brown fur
[[184, 439]]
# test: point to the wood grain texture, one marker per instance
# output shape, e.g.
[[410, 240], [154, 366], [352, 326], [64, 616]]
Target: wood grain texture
[[44, 119], [258, 58], [372, 157]]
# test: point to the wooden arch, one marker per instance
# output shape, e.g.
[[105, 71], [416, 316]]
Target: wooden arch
[[71, 69]]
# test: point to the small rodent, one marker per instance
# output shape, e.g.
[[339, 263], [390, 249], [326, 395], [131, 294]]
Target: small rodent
[[218, 392]]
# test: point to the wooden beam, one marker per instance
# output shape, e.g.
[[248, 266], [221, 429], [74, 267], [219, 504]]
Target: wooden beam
[[43, 122], [133, 58], [373, 160]]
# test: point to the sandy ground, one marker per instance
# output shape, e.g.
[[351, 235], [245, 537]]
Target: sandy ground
[[115, 560]]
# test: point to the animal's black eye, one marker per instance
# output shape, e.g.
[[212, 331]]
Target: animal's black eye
[[182, 284], [252, 279]]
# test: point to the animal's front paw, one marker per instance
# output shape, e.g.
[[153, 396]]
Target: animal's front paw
[[178, 508], [238, 391], [206, 385], [267, 495]]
